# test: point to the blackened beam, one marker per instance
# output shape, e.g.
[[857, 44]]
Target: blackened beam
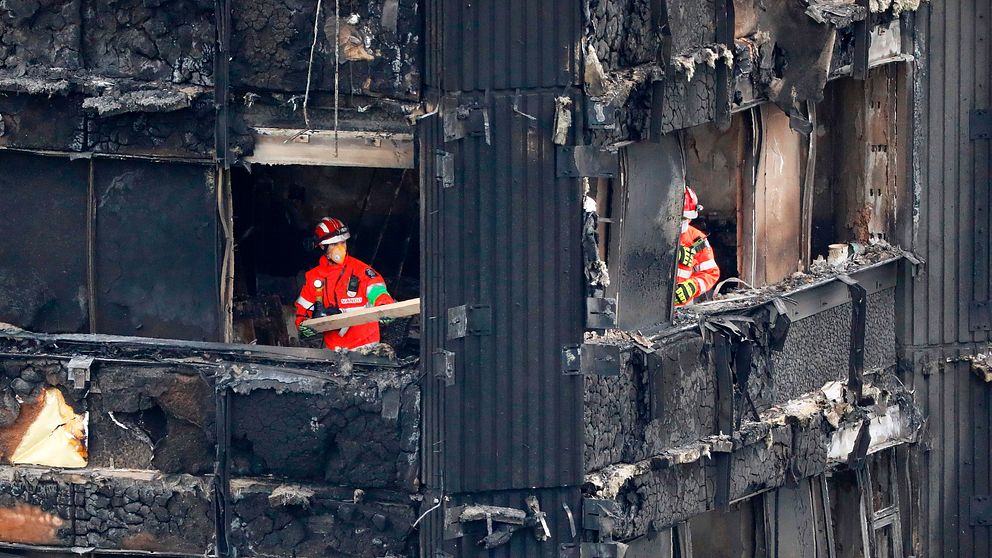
[[856, 362], [724, 16], [161, 350], [725, 416], [222, 74], [222, 481]]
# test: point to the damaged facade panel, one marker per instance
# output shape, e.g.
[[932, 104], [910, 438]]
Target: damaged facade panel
[[789, 444], [310, 521], [358, 429], [106, 509], [26, 122], [660, 399], [337, 468]]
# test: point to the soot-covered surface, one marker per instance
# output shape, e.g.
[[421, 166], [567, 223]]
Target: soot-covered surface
[[358, 430], [119, 510], [272, 519]]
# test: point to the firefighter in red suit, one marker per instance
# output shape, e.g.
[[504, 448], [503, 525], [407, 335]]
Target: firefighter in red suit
[[340, 283], [697, 271]]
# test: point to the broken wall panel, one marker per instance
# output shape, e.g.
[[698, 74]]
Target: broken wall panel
[[43, 269], [689, 99], [43, 421], [310, 521], [106, 509], [379, 48], [692, 23], [358, 430], [648, 408], [644, 270], [187, 133], [26, 122], [149, 417], [156, 255]]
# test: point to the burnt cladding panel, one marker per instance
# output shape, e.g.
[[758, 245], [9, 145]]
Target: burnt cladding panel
[[43, 252], [952, 234], [953, 229], [157, 250], [506, 236], [655, 180], [503, 44]]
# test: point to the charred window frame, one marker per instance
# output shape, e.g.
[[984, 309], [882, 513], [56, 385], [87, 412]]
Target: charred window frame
[[776, 199]]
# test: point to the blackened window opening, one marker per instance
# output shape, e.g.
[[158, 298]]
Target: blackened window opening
[[275, 211]]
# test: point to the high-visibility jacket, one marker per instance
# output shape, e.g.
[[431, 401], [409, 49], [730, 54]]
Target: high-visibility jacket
[[348, 286], [704, 270]]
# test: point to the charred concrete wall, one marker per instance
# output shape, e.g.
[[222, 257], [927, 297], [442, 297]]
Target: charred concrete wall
[[785, 447], [106, 509], [360, 430], [322, 453], [665, 394], [661, 399], [136, 78], [378, 47]]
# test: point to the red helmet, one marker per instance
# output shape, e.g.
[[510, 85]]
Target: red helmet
[[690, 205], [331, 231]]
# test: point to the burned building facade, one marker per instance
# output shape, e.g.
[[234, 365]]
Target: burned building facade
[[519, 166]]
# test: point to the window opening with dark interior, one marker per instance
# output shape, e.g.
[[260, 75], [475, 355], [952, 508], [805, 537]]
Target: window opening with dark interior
[[276, 209]]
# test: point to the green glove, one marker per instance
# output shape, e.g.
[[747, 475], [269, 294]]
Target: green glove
[[685, 255], [386, 320], [685, 291], [306, 332]]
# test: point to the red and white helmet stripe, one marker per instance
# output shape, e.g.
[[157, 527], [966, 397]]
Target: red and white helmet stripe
[[690, 204], [331, 231]]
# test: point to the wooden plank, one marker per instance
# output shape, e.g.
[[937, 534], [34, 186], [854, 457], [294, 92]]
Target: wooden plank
[[365, 315], [278, 146]]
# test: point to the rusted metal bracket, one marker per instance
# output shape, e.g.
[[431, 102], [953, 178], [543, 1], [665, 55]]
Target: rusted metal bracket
[[856, 360], [601, 313], [79, 371], [469, 319], [576, 161]]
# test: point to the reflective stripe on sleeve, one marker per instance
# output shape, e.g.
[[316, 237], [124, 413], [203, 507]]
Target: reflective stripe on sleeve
[[306, 304], [684, 273], [700, 284], [708, 264]]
